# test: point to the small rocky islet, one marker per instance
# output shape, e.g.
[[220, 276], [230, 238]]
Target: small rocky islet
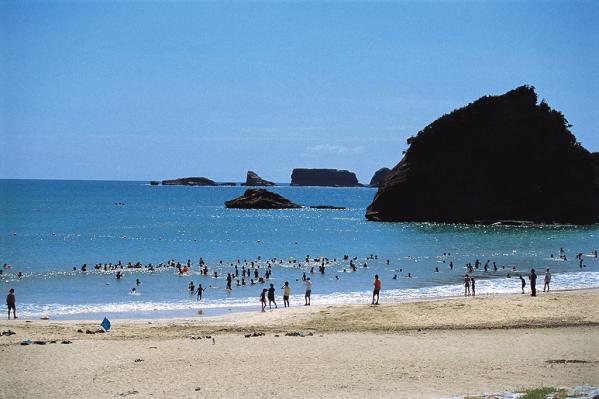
[[259, 198]]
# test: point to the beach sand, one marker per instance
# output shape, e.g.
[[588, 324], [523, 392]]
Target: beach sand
[[425, 349]]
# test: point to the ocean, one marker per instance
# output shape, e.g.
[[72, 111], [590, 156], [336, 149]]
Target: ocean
[[47, 228]]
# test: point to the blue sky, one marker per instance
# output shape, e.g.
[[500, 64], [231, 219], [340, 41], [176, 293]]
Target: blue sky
[[152, 90]]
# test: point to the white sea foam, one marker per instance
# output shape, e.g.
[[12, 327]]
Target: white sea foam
[[562, 281]]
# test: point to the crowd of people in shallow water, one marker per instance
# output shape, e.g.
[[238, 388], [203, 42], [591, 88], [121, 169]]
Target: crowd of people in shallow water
[[259, 272]]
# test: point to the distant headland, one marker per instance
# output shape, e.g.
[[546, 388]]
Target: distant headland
[[299, 177]]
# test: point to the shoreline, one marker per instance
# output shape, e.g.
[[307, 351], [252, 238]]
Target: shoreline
[[408, 315], [422, 349], [225, 309]]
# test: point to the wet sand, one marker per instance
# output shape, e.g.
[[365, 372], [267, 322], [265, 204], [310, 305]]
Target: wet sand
[[425, 349]]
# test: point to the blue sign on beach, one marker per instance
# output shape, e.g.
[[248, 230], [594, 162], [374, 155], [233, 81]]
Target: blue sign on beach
[[105, 324]]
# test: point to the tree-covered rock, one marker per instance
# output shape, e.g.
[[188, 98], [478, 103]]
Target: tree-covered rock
[[504, 157]]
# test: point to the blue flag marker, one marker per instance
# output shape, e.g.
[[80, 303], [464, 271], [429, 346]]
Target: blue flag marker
[[105, 324]]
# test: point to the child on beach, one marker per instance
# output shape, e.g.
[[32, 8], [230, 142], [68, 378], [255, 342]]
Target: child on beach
[[523, 283], [263, 299], [473, 285]]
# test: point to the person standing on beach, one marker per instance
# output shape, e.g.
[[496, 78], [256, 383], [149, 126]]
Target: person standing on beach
[[466, 285], [11, 301], [308, 291], [271, 297], [286, 293], [377, 289], [473, 285], [533, 282], [523, 283], [263, 299], [547, 280]]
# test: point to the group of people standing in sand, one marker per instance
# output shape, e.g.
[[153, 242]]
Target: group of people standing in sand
[[269, 293]]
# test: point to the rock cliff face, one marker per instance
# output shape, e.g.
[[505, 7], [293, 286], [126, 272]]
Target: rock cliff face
[[499, 158], [189, 181], [253, 179], [324, 177], [258, 198], [379, 176], [595, 162]]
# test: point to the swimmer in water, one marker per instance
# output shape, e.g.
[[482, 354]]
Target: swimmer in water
[[199, 292]]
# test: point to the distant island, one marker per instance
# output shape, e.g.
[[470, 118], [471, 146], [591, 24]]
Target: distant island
[[499, 158], [379, 177], [252, 179], [190, 181], [324, 177]]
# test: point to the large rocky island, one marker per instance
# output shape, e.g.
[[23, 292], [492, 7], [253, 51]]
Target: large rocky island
[[500, 158], [324, 177]]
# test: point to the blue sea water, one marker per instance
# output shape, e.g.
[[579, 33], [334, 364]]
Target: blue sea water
[[49, 227]]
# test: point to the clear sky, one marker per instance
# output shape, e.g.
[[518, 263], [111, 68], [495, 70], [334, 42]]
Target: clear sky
[[153, 90]]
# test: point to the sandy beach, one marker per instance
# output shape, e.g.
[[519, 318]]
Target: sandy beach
[[425, 349]]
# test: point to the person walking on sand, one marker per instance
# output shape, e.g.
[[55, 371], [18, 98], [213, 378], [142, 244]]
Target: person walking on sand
[[11, 301], [286, 293], [377, 289], [547, 280], [263, 299], [466, 285], [523, 283], [271, 297], [533, 282], [308, 291]]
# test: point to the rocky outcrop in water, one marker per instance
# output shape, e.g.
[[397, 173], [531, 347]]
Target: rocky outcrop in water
[[253, 179], [154, 183], [324, 177], [259, 198], [504, 157], [189, 181], [379, 176]]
